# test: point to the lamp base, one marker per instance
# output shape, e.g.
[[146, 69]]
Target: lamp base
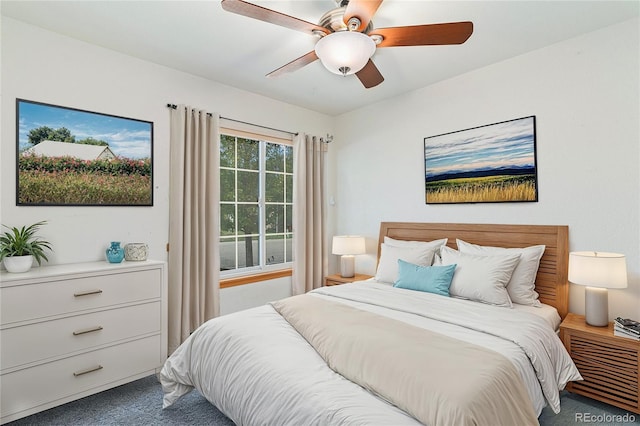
[[347, 266], [596, 306]]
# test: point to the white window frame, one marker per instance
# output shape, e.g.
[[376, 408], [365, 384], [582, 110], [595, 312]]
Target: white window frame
[[249, 132]]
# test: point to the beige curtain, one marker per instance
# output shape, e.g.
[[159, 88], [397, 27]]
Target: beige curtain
[[309, 239], [194, 203]]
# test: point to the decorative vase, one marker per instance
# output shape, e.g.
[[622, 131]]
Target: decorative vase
[[115, 253], [17, 264], [136, 251]]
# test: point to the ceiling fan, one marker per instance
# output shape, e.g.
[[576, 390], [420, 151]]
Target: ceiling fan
[[348, 39]]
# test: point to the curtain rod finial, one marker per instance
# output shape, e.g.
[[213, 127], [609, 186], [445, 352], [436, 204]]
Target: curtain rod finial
[[328, 139]]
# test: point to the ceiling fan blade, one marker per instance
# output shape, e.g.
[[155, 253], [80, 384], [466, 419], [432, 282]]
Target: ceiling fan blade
[[370, 76], [267, 15], [422, 35], [361, 9], [294, 65]]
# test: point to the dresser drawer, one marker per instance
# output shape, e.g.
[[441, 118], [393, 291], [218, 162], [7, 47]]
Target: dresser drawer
[[29, 343], [32, 387], [56, 297]]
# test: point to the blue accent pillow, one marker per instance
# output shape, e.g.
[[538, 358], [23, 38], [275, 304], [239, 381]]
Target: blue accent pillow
[[431, 279]]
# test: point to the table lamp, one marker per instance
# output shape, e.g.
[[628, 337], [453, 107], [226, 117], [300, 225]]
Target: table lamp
[[598, 271], [348, 246]]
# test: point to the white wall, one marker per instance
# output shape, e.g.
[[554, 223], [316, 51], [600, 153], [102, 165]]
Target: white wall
[[43, 66], [585, 95], [250, 295]]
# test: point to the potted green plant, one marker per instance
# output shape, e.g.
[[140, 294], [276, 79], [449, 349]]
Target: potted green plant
[[20, 246]]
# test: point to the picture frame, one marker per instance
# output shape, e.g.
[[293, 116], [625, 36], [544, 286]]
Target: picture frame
[[493, 163], [72, 157]]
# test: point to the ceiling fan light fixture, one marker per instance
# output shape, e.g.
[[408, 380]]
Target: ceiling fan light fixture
[[345, 52]]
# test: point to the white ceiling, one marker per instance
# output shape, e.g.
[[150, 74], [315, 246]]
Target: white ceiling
[[200, 38]]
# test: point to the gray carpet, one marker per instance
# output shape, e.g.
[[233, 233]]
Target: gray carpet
[[136, 403], [140, 403]]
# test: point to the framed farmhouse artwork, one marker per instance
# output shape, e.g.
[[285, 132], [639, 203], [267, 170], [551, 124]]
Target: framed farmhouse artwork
[[494, 163], [71, 157]]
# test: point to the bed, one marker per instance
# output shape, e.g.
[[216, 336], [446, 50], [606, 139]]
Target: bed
[[376, 353]]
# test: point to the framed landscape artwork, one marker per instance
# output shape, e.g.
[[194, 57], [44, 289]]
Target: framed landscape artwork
[[487, 164], [71, 157]]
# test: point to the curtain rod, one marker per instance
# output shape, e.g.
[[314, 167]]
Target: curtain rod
[[174, 106]]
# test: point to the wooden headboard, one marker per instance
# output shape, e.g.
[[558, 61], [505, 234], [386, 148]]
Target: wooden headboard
[[551, 282]]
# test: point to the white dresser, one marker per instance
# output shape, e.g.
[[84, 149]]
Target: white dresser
[[68, 331]]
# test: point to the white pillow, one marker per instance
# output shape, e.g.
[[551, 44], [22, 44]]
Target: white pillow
[[388, 266], [521, 286], [434, 244], [480, 278], [405, 243]]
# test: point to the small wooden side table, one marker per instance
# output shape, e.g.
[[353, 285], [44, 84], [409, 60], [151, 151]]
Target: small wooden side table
[[609, 365], [336, 279]]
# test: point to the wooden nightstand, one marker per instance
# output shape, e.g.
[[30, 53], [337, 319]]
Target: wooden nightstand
[[610, 365], [336, 279]]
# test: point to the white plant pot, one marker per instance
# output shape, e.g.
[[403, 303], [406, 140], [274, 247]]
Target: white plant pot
[[17, 264]]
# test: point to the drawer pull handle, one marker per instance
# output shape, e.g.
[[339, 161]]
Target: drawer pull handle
[[87, 330], [87, 293], [88, 370]]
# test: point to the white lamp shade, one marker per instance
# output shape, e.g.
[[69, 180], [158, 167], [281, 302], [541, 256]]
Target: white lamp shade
[[348, 244], [598, 269], [345, 52]]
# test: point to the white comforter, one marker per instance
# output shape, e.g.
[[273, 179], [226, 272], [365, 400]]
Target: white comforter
[[257, 369]]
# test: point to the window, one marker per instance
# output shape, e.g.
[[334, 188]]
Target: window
[[256, 203]]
